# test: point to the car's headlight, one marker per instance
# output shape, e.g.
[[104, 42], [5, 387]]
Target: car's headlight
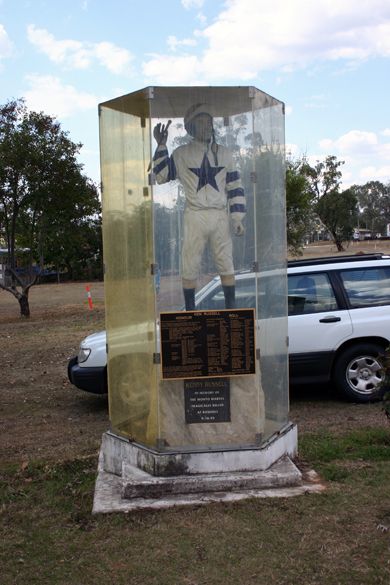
[[83, 354]]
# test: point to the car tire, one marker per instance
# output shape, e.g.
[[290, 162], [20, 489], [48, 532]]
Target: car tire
[[358, 373]]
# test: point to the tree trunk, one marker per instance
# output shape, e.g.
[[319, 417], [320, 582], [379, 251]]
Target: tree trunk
[[338, 241], [24, 305], [340, 247]]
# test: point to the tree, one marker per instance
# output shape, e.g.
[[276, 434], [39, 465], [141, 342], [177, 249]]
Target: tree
[[75, 248], [336, 210], [374, 205], [41, 188], [298, 205], [68, 230], [324, 177]]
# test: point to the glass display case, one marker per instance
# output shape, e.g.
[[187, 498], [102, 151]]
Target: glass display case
[[194, 237]]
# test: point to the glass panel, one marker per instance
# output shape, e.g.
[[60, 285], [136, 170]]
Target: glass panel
[[129, 286], [270, 250], [367, 287], [310, 294], [205, 153], [213, 297]]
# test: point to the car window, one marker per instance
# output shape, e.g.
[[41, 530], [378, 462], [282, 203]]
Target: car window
[[367, 286], [245, 296], [310, 293]]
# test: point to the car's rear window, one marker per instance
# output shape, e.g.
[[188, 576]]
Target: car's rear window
[[367, 287]]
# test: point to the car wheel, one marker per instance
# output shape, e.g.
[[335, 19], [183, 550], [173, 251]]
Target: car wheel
[[358, 373]]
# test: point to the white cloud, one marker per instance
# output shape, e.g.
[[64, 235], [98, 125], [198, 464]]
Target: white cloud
[[114, 58], [372, 173], [248, 37], [80, 55], [326, 144], [366, 155], [192, 4], [5, 43], [202, 18], [50, 95], [353, 142], [165, 69], [292, 151], [174, 42]]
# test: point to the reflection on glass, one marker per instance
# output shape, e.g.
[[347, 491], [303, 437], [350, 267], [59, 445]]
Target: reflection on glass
[[193, 197], [127, 233], [367, 287], [310, 294]]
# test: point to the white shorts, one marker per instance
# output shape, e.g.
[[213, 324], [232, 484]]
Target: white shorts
[[201, 227]]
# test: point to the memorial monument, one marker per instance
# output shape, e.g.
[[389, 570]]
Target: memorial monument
[[196, 297]]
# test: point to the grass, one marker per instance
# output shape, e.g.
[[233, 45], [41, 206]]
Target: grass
[[49, 438], [365, 444], [340, 536]]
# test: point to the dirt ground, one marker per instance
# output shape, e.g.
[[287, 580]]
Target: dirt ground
[[329, 249], [44, 417]]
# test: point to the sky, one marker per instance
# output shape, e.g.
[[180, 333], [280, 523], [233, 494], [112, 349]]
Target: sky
[[327, 60]]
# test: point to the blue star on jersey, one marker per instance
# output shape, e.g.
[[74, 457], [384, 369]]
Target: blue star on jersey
[[206, 174]]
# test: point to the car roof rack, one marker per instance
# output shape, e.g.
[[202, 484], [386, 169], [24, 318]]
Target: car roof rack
[[337, 259]]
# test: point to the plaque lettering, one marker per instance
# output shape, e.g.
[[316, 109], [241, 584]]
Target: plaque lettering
[[207, 401], [206, 344]]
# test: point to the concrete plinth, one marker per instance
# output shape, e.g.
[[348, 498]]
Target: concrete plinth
[[276, 483], [134, 485], [118, 450], [128, 478]]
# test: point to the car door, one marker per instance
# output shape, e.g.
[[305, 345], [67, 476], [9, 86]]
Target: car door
[[317, 324]]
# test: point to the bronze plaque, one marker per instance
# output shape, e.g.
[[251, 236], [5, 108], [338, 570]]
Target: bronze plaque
[[207, 401], [206, 344]]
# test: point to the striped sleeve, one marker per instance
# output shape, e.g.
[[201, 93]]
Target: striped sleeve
[[164, 168], [235, 195]]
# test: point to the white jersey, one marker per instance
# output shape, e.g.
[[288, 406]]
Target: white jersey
[[208, 174]]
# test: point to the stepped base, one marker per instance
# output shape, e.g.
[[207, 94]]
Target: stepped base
[[218, 476]]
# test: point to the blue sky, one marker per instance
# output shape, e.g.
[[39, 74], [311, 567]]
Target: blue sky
[[328, 60]]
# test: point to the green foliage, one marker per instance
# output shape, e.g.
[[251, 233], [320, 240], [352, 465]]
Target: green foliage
[[337, 211], [46, 203], [374, 205], [324, 177], [298, 205]]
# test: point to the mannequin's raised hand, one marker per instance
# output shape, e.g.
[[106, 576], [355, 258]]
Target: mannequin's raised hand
[[160, 132]]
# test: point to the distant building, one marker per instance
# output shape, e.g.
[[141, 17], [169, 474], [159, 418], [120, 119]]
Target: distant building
[[362, 234]]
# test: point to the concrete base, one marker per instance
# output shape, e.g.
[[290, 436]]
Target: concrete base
[[132, 477], [142, 485], [282, 480], [166, 463]]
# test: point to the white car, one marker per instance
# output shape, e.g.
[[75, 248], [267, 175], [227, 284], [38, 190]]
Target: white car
[[338, 324]]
